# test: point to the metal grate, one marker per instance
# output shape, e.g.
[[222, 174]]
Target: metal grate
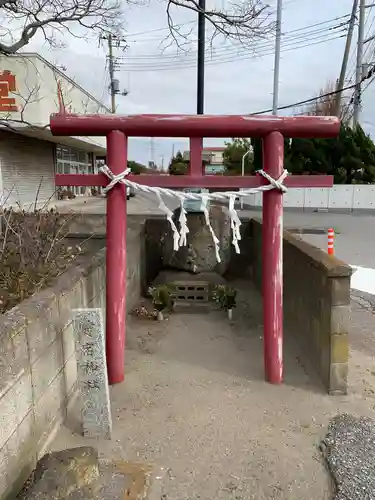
[[192, 292]]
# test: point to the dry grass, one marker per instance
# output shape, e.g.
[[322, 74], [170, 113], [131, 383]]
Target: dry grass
[[33, 252]]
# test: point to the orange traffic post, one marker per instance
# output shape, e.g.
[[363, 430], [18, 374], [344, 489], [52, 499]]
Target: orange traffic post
[[331, 241]]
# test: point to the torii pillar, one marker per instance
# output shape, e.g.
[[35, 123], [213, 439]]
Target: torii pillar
[[271, 129]]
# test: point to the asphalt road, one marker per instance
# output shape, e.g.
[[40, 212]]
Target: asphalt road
[[137, 205], [354, 239]]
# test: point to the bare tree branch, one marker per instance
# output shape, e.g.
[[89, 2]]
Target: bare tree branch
[[325, 105], [243, 22], [48, 15]]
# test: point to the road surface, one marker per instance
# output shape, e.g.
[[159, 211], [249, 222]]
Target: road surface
[[354, 240]]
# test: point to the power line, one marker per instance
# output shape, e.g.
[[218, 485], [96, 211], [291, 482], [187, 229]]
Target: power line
[[370, 74], [338, 28], [105, 82], [296, 30], [306, 101], [288, 2], [177, 26], [339, 18], [153, 59], [170, 66], [238, 51]]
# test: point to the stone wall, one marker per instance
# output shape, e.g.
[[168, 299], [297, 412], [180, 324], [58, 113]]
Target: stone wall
[[155, 233], [38, 371], [316, 301]]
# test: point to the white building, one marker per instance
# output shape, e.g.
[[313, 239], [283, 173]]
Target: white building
[[213, 157], [29, 154]]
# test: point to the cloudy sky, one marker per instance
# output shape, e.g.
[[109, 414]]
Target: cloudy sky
[[238, 79]]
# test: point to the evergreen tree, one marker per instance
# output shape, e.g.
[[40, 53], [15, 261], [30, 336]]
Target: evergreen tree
[[350, 157], [233, 154], [178, 166], [137, 168]]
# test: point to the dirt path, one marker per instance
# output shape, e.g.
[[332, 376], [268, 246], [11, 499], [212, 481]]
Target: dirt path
[[195, 401]]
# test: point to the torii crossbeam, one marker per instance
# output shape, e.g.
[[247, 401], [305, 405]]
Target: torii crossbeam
[[271, 129]]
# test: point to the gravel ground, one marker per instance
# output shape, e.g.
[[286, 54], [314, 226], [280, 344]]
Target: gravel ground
[[350, 454], [194, 400]]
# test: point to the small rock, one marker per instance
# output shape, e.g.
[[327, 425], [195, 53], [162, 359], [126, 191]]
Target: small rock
[[59, 474]]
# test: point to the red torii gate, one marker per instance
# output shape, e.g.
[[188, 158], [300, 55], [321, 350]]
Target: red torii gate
[[271, 129]]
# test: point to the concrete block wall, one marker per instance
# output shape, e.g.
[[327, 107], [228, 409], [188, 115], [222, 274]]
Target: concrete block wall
[[340, 198], [38, 369], [316, 304]]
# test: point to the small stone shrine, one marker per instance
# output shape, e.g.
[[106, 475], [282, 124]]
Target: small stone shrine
[[193, 270]]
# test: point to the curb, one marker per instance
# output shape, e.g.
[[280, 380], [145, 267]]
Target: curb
[[306, 230]]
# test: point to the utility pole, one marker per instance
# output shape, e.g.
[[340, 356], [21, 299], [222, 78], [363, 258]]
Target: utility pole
[[152, 151], [114, 87], [276, 70], [201, 54], [111, 67], [349, 37], [358, 77]]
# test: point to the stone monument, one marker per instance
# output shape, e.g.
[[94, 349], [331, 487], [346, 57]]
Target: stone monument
[[88, 327]]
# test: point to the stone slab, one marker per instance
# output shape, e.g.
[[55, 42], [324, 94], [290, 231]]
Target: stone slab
[[59, 475], [88, 326], [108, 480]]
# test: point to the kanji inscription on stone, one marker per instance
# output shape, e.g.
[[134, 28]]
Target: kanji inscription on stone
[[89, 334]]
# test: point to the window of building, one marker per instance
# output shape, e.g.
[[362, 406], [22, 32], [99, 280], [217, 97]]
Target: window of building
[[74, 161]]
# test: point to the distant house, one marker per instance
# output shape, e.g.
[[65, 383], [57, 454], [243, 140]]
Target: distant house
[[213, 158], [30, 90]]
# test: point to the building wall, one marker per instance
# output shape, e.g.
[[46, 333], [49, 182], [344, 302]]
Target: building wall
[[27, 169], [208, 155], [36, 94], [216, 157]]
